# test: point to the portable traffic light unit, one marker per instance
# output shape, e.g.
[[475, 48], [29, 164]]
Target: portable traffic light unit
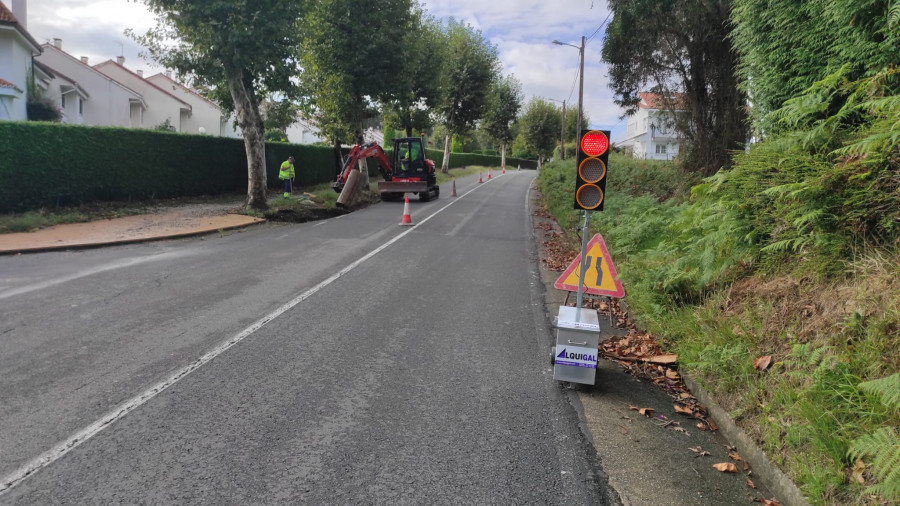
[[592, 160]]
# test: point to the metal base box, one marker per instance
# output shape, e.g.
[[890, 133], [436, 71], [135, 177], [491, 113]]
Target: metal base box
[[577, 339]]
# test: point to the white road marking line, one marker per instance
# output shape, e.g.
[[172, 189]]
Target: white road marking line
[[61, 449], [121, 264], [319, 224]]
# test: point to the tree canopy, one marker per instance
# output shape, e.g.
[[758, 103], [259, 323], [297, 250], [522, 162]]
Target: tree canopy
[[240, 46], [541, 124], [472, 65], [682, 49]]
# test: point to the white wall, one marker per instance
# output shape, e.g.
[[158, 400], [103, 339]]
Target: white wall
[[204, 114], [15, 64], [161, 105], [108, 104]]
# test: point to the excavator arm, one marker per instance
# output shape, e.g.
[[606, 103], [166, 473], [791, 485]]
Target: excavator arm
[[358, 153]]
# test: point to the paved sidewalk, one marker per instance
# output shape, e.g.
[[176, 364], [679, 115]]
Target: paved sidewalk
[[146, 227]]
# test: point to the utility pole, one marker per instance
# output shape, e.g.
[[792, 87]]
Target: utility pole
[[587, 214], [562, 135]]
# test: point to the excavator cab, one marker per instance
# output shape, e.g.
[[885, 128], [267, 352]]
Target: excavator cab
[[409, 158], [412, 172]]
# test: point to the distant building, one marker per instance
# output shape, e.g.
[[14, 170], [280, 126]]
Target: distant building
[[650, 133], [206, 116], [86, 95], [17, 51]]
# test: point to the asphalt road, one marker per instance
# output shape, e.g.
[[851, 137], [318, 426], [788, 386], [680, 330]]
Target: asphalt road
[[417, 374]]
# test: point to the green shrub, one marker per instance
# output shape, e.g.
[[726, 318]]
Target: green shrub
[[49, 164]]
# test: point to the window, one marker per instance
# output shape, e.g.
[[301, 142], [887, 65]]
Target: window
[[62, 101], [660, 149], [80, 106]]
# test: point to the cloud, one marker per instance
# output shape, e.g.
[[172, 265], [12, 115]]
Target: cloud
[[522, 30]]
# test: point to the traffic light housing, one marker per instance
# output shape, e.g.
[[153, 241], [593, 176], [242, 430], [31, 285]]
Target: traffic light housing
[[591, 162]]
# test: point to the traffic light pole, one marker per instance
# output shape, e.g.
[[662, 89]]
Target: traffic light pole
[[587, 214]]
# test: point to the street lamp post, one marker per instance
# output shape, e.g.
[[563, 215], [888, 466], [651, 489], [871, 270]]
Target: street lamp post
[[584, 228], [562, 130]]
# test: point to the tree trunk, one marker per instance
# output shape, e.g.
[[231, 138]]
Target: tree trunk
[[409, 130], [252, 128], [445, 164], [503, 155], [338, 158]]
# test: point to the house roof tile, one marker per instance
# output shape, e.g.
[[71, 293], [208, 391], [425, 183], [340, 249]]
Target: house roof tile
[[183, 87], [6, 14], [658, 101], [123, 67], [6, 84]]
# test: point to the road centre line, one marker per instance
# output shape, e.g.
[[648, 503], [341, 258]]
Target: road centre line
[[61, 449]]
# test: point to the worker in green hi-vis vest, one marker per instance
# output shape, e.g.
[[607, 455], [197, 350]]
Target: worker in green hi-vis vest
[[286, 174]]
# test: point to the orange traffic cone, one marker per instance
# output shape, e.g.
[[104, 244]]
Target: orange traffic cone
[[407, 219], [504, 169], [489, 173], [453, 192], [479, 178]]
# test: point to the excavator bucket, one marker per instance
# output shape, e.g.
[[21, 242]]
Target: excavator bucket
[[402, 186]]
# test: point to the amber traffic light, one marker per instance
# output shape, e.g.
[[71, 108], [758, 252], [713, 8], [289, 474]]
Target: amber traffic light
[[592, 159]]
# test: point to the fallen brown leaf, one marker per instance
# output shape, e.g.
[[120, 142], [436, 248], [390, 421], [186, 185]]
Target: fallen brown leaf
[[643, 411], [750, 484], [745, 466], [683, 410], [685, 395], [768, 502], [669, 358], [735, 456], [725, 467], [858, 469], [762, 363], [701, 426], [712, 425], [672, 374]]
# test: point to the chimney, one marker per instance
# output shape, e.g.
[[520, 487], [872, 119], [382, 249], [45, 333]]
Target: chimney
[[20, 12], [169, 74], [57, 43], [120, 60], [84, 59], [140, 73]]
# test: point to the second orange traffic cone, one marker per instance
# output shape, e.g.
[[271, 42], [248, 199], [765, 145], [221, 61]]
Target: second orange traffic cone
[[489, 173], [453, 193], [479, 178], [504, 170], [407, 219]]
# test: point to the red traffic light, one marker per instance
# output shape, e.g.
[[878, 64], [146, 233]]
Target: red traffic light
[[594, 143]]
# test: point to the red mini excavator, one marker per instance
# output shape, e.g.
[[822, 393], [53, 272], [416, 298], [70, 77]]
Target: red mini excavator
[[410, 171]]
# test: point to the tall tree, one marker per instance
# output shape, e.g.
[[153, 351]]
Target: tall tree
[[472, 64], [681, 46], [241, 46], [352, 50], [504, 103], [419, 86], [540, 125]]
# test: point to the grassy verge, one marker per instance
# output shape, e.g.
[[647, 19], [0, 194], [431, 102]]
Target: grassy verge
[[721, 302]]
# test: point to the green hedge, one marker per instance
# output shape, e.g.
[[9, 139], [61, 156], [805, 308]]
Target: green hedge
[[53, 164], [48, 164]]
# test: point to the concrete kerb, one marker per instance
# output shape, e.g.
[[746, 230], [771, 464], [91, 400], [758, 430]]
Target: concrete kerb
[[773, 478], [100, 244]]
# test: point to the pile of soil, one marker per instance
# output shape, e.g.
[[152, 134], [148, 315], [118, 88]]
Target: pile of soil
[[304, 214]]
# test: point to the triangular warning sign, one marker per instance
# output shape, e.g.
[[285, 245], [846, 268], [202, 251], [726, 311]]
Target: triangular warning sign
[[600, 276]]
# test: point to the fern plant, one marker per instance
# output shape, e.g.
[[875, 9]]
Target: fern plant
[[883, 445]]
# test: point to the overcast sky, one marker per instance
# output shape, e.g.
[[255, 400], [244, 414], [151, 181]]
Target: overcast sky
[[522, 30]]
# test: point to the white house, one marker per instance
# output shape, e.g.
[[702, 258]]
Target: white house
[[17, 50], [205, 114], [303, 131], [162, 105], [650, 133], [87, 96]]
